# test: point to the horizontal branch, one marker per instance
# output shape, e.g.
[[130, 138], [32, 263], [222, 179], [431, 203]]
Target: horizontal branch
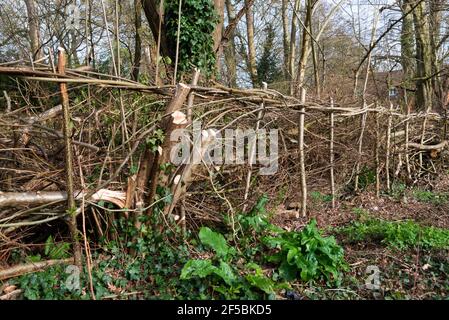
[[9, 199], [31, 267], [424, 147]]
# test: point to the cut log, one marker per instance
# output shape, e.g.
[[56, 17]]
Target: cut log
[[31, 267], [9, 199], [11, 295]]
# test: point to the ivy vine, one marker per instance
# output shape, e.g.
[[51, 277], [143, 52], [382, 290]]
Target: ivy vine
[[196, 44]]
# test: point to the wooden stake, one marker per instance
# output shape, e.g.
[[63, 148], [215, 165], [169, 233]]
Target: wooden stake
[[360, 148], [423, 133], [302, 172], [377, 160], [253, 153], [406, 139], [387, 153], [196, 77], [331, 153], [71, 207]]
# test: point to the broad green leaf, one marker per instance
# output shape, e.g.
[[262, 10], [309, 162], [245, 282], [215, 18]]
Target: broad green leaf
[[291, 255], [214, 240], [197, 268], [262, 282], [226, 273], [287, 271]]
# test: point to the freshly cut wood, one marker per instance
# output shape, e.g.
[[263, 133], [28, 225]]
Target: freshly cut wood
[[181, 182], [8, 199], [11, 295], [156, 175], [31, 267]]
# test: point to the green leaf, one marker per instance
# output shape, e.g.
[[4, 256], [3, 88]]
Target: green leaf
[[214, 240], [287, 271], [262, 282], [226, 273], [291, 255], [48, 245], [197, 268]]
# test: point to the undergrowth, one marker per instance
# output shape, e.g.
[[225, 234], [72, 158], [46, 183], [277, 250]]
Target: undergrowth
[[254, 259], [396, 234]]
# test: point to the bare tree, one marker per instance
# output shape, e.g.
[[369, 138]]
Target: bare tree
[[229, 51], [423, 56], [251, 47], [292, 52], [285, 37], [138, 40], [33, 28]]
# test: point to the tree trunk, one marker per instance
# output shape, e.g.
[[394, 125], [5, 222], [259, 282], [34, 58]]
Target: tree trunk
[[229, 50], [435, 8], [252, 66], [138, 40], [219, 8], [285, 38], [423, 58], [305, 46], [407, 45], [218, 32], [292, 52], [150, 7], [33, 29]]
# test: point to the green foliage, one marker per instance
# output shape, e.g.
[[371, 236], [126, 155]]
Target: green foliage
[[229, 279], [431, 197], [56, 250], [216, 241], [256, 219], [367, 177], [398, 190], [46, 285], [308, 253], [268, 69], [155, 140], [399, 235], [196, 45], [319, 197]]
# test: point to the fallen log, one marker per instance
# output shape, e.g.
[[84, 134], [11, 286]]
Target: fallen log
[[22, 269], [11, 295], [9, 199]]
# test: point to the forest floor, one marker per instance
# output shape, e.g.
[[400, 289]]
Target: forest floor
[[395, 247], [411, 272]]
